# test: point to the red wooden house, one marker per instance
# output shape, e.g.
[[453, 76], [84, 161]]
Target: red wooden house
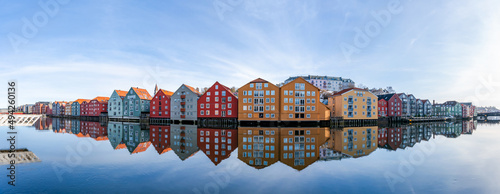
[[218, 102], [84, 108], [217, 144], [48, 110], [160, 104], [394, 105], [382, 107], [97, 106], [159, 136]]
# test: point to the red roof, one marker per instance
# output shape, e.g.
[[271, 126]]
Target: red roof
[[142, 93], [193, 90], [101, 99], [166, 92], [81, 100], [121, 93]]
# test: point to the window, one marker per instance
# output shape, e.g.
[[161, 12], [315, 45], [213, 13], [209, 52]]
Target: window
[[251, 85]]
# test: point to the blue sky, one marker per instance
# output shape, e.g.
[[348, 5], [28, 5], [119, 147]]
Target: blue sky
[[439, 50]]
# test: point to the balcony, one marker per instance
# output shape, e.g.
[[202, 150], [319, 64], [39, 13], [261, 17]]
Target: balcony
[[183, 96], [183, 110], [183, 116], [183, 103]]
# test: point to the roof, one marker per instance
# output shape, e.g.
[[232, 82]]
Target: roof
[[259, 80], [347, 90], [192, 89], [424, 101], [142, 93], [101, 99], [81, 100], [166, 92], [386, 97], [121, 93]]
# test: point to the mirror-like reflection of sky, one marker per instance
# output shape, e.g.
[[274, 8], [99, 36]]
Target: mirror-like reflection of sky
[[450, 161]]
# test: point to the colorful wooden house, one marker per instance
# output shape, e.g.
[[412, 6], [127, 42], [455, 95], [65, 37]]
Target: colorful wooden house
[[98, 105], [299, 101], [136, 102], [160, 104], [354, 103], [218, 102], [115, 104], [255, 101], [76, 108], [392, 104], [184, 103]]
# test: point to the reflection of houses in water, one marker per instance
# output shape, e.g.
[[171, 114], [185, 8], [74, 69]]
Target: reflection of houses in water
[[258, 147], [468, 126], [448, 129], [300, 147], [389, 138], [44, 123], [135, 138], [356, 141], [183, 140], [217, 144], [75, 126], [115, 135], [94, 130], [159, 136]]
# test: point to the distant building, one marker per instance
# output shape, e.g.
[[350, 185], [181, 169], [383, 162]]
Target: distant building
[[69, 109], [328, 83], [427, 108], [76, 107], [405, 105], [412, 104]]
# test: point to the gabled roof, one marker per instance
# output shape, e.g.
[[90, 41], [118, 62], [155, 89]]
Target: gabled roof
[[142, 93], [259, 80], [101, 99], [347, 90], [166, 92], [121, 93], [424, 101], [305, 81], [192, 89], [81, 100], [386, 97]]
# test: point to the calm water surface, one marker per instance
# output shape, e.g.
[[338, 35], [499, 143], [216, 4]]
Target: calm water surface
[[89, 157]]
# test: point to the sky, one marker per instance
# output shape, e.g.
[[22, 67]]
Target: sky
[[65, 50]]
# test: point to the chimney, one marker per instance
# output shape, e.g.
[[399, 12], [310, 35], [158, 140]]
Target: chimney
[[433, 102]]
